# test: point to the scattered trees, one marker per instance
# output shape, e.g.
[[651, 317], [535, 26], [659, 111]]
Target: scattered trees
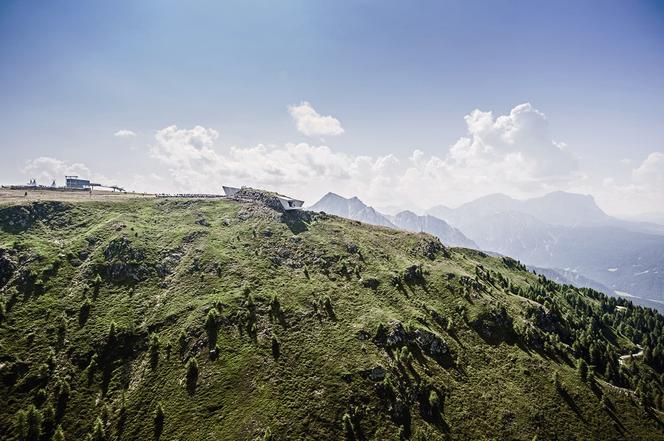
[[29, 424]]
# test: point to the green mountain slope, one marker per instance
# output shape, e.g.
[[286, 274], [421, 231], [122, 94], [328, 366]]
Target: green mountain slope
[[180, 319]]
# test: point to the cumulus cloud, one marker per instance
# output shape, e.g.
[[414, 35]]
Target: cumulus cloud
[[518, 143], [311, 123], [124, 133], [512, 153], [641, 191], [46, 169], [650, 174]]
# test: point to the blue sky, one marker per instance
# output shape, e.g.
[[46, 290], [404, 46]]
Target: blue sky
[[399, 77]]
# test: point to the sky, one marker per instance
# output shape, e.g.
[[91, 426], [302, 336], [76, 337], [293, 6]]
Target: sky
[[409, 104]]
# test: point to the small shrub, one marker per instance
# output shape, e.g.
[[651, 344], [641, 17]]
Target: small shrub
[[49, 419], [84, 311], [275, 307], [211, 327], [327, 304], [41, 396], [267, 435], [556, 380], [582, 369], [158, 419], [110, 339], [105, 413], [62, 328], [182, 341], [405, 356], [92, 368], [62, 392], [155, 345], [192, 373], [349, 430], [168, 348], [434, 402]]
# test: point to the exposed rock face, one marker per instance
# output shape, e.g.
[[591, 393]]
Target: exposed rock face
[[395, 335], [430, 343], [270, 200], [7, 266], [18, 218], [429, 247], [377, 373], [122, 249], [125, 263], [494, 325], [413, 274], [391, 336]]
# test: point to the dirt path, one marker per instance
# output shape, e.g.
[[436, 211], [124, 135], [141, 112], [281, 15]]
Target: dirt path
[[623, 358]]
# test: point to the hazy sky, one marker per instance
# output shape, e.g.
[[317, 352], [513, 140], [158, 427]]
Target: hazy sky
[[411, 103]]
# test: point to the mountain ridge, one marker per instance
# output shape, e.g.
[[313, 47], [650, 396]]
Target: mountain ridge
[[184, 319], [353, 208]]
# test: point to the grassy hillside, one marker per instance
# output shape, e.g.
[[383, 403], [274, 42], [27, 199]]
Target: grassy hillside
[[180, 319]]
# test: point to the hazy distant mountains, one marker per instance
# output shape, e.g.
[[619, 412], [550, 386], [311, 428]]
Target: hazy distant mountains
[[407, 220], [570, 233], [353, 208]]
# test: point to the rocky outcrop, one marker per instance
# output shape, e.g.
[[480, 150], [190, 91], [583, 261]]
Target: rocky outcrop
[[124, 262], [266, 198], [17, 218], [7, 266], [429, 247], [395, 335], [430, 343]]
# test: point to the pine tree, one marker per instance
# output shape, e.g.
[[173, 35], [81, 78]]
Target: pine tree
[[192, 372], [59, 434], [98, 432]]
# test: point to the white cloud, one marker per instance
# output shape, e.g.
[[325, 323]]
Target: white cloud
[[512, 153], [641, 191], [518, 143], [124, 133], [650, 174], [311, 123], [46, 169]]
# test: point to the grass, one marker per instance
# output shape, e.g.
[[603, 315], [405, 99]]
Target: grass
[[299, 371]]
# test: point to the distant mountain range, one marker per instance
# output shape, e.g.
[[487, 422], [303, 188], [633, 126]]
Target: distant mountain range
[[354, 208], [567, 234]]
